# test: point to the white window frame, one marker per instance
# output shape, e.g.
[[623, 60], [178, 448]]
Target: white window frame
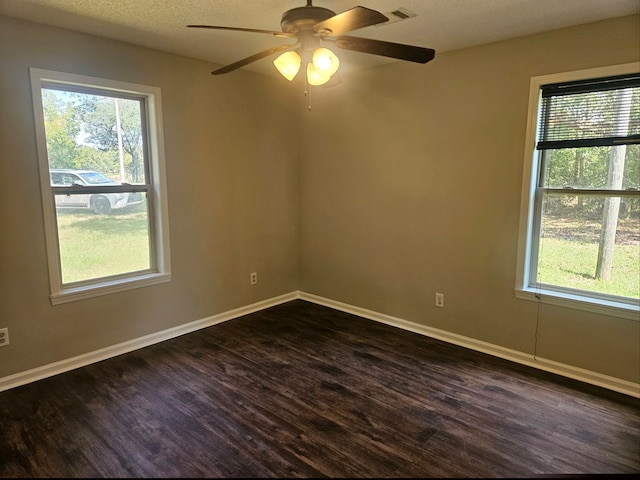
[[527, 206], [160, 271]]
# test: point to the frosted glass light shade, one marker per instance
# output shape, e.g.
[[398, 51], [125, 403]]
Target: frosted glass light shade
[[288, 64], [314, 77], [325, 61]]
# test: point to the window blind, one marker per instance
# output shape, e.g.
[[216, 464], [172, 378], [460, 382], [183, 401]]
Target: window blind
[[590, 113]]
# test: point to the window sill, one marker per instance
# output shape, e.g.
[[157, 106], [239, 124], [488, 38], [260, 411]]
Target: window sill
[[72, 294], [600, 306]]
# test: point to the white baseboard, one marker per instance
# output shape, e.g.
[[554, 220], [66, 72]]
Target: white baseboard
[[594, 378], [72, 363], [587, 376]]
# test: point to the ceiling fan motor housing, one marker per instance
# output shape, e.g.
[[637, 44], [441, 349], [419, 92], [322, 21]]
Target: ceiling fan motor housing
[[303, 18]]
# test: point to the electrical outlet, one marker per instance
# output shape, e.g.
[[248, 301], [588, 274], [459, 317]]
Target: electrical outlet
[[4, 337], [440, 300], [254, 278]]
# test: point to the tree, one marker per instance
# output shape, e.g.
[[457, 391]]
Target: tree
[[62, 126], [614, 181], [100, 124]]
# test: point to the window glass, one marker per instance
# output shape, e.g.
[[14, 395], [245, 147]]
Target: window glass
[[95, 140], [98, 245], [587, 167], [570, 245]]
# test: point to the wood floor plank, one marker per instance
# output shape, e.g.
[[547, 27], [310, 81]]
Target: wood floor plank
[[303, 391]]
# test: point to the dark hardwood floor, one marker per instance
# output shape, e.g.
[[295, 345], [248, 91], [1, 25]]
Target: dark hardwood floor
[[301, 390]]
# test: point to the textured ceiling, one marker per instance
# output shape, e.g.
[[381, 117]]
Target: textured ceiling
[[440, 24]]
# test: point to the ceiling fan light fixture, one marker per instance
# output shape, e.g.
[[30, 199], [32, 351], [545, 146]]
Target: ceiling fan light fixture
[[288, 64], [325, 61], [315, 77]]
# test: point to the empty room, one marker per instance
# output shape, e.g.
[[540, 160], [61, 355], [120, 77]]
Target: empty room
[[319, 239]]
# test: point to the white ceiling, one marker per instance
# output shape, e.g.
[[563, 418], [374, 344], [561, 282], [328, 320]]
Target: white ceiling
[[440, 24]]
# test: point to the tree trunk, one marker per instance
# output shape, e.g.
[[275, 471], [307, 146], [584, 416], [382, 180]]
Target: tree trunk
[[579, 175], [614, 181]]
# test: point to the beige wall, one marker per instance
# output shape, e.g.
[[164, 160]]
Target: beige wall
[[410, 184], [405, 180], [232, 192]]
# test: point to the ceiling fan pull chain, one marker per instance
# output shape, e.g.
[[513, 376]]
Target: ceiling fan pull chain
[[307, 93]]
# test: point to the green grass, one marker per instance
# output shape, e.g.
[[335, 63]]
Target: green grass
[[96, 246], [573, 264]]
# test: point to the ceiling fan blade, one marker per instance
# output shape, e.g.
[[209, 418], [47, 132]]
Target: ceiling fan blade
[[239, 29], [386, 49], [251, 59], [352, 19]]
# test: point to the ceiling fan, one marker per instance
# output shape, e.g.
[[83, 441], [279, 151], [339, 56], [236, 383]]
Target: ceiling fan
[[309, 26]]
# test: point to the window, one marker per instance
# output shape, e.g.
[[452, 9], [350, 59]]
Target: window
[[101, 164], [580, 220]]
